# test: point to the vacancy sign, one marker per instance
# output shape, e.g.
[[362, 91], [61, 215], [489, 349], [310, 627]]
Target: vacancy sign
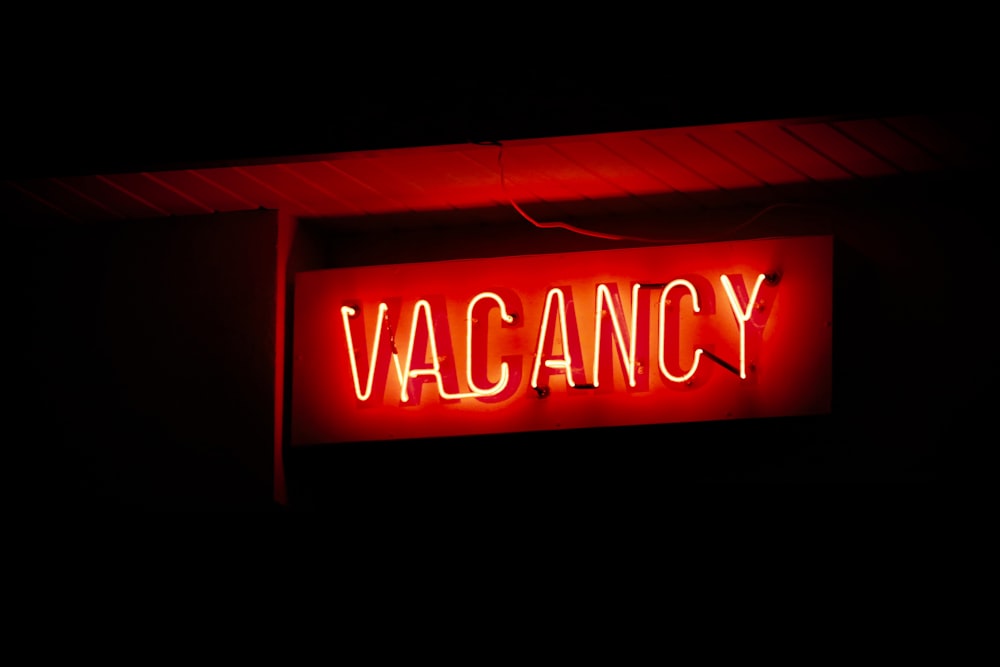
[[650, 335]]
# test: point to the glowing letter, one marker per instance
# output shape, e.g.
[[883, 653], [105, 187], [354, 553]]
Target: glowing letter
[[570, 362], [675, 329], [441, 366], [742, 311], [382, 348], [477, 319], [609, 303]]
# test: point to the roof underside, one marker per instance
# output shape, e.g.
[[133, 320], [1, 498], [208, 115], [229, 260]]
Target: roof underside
[[625, 173]]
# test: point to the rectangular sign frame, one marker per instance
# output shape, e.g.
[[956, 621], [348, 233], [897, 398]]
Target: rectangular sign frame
[[622, 337]]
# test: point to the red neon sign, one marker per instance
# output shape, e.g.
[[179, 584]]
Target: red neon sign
[[740, 329]]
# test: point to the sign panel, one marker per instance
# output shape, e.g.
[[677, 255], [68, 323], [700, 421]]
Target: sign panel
[[732, 330]]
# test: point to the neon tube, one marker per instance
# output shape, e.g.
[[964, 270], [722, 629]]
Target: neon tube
[[504, 368], [663, 305], [566, 363], [742, 315], [604, 294], [435, 372], [347, 312]]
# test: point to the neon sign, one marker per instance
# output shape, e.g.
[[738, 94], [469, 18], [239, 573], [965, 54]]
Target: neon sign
[[662, 334]]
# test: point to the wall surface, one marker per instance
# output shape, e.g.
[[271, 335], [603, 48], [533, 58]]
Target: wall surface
[[149, 365]]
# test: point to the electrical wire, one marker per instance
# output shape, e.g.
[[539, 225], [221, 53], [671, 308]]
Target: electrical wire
[[618, 237]]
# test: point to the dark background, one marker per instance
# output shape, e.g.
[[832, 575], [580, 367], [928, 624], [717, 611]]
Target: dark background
[[85, 99], [84, 92]]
